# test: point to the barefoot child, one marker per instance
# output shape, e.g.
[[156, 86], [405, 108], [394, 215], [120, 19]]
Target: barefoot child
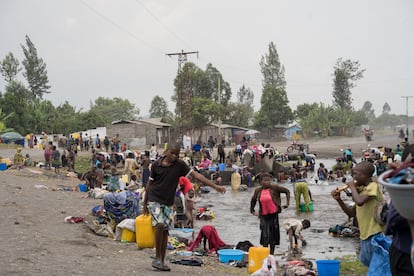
[[293, 228], [189, 207]]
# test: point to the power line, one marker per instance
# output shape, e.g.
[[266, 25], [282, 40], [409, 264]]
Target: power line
[[161, 23], [119, 27]]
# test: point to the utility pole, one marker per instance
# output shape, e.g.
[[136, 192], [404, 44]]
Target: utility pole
[[219, 117], [406, 112], [182, 58], [184, 96]]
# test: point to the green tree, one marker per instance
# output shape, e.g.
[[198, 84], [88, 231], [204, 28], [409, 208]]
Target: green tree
[[159, 109], [15, 101], [274, 108], [189, 81], [68, 120], [240, 112], [204, 113], [272, 70], [386, 108], [368, 111], [303, 110], [35, 70], [10, 67], [3, 119], [114, 109], [215, 80], [346, 72], [319, 120]]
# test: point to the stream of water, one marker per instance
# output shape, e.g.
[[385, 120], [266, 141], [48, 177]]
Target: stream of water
[[234, 222]]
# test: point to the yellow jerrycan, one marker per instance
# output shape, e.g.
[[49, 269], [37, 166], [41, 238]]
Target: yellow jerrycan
[[256, 256], [145, 232], [235, 181]]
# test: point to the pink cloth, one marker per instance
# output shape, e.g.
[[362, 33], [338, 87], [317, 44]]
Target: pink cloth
[[208, 232]]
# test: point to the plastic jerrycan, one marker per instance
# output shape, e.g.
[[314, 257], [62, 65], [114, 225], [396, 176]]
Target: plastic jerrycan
[[145, 232], [256, 257], [235, 181]]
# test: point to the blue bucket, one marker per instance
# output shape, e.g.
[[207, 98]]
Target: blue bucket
[[3, 166], [222, 166], [83, 188], [328, 267]]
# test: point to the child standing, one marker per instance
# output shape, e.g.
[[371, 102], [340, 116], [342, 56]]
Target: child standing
[[56, 159], [293, 228], [189, 207], [366, 194]]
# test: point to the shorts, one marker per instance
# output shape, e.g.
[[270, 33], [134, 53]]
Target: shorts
[[161, 214]]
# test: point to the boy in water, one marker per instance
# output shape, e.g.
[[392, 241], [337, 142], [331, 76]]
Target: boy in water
[[293, 228]]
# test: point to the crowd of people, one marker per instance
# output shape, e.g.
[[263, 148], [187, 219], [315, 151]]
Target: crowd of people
[[159, 179]]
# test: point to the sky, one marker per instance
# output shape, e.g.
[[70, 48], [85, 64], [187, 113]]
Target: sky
[[118, 48]]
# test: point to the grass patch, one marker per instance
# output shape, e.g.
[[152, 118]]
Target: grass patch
[[350, 266], [82, 164]]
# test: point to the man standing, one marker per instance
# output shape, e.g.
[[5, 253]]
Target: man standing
[[159, 197], [115, 141], [220, 152]]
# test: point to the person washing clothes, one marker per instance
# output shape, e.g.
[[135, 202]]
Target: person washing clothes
[[293, 229]]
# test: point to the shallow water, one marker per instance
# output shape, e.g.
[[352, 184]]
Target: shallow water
[[234, 222]]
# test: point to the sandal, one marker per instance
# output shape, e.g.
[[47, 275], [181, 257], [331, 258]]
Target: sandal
[[157, 265]]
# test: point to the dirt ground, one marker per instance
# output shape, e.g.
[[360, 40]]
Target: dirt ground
[[36, 241]]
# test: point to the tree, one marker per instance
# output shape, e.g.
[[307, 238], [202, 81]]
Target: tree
[[159, 109], [273, 72], [319, 120], [15, 101], [192, 84], [368, 111], [35, 70], [68, 120], [346, 72], [114, 109], [3, 119], [189, 80], [214, 77], [240, 112], [386, 109], [274, 108], [204, 113], [303, 110], [10, 67]]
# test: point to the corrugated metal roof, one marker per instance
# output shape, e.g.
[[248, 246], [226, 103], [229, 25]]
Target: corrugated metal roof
[[153, 121]]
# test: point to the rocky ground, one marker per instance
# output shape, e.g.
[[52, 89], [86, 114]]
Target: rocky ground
[[36, 241]]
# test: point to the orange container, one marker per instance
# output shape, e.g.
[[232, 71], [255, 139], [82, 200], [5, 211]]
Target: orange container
[[128, 235], [256, 257], [145, 232]]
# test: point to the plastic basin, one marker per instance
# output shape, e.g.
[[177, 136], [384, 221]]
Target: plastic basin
[[401, 195], [227, 255]]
